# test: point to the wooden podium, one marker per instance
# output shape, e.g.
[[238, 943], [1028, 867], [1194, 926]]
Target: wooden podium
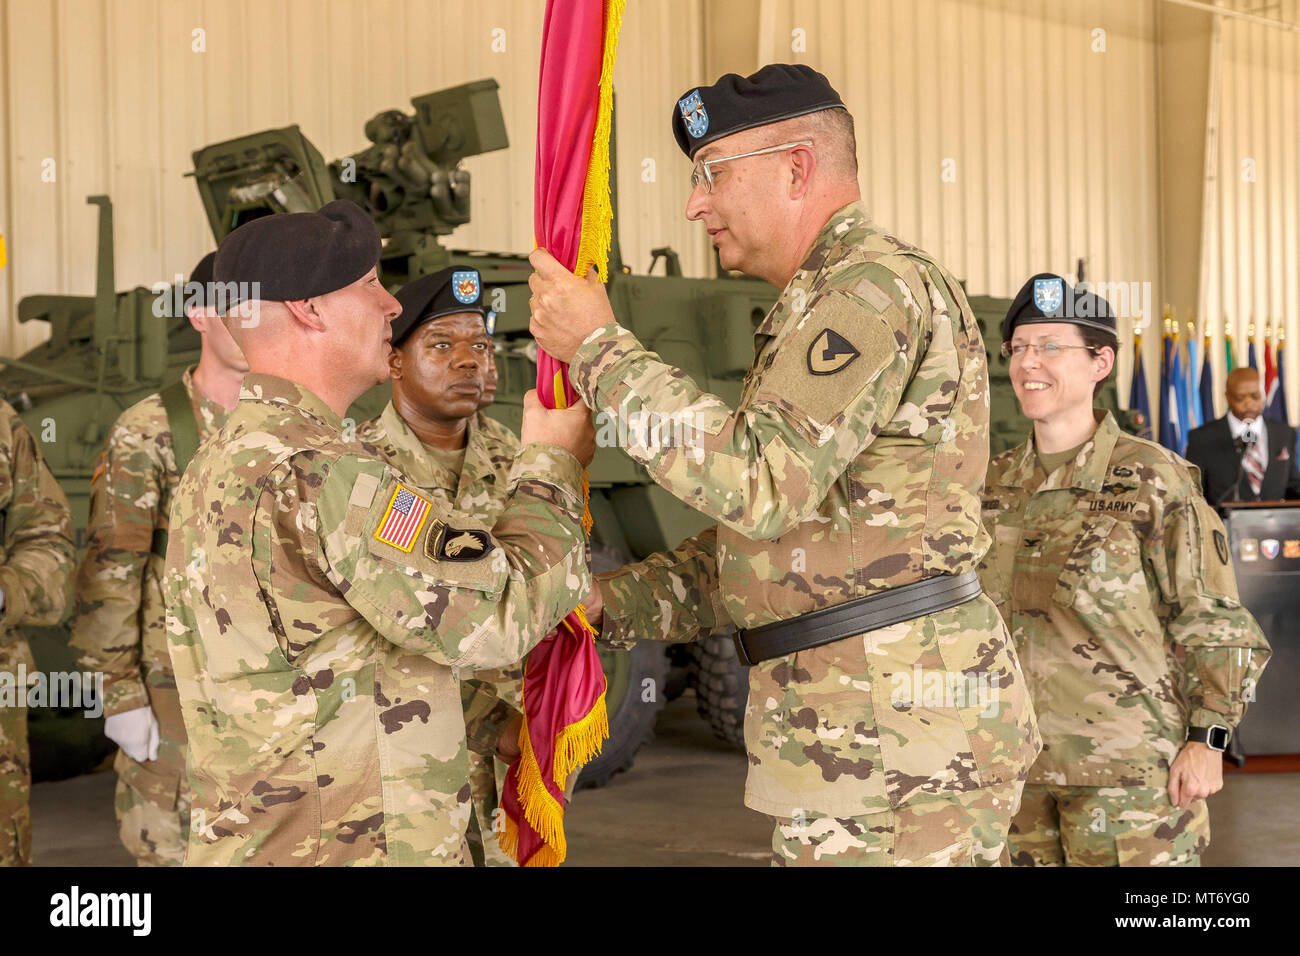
[[1264, 538]]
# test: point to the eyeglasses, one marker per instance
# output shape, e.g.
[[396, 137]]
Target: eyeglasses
[[1050, 350], [702, 173]]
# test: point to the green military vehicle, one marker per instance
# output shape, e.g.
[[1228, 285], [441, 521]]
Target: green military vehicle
[[108, 351]]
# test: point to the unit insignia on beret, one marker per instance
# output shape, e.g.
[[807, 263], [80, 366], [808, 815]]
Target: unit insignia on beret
[[1048, 294], [464, 286], [693, 114]]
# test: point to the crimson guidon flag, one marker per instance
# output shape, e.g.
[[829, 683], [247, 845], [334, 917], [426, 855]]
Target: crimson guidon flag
[[564, 686]]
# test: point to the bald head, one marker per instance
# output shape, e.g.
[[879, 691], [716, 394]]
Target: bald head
[[335, 344], [1245, 394]]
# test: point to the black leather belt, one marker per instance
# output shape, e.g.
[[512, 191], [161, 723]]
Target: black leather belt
[[832, 624]]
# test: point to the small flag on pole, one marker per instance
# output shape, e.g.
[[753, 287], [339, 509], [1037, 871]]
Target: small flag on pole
[[1137, 393]]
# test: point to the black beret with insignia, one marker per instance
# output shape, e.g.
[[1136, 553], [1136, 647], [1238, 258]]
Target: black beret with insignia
[[779, 91], [446, 292], [1047, 297], [299, 255]]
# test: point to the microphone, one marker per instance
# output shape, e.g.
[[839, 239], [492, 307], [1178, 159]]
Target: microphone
[[1243, 442]]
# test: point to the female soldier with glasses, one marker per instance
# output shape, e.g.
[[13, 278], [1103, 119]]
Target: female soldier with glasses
[[1114, 577]]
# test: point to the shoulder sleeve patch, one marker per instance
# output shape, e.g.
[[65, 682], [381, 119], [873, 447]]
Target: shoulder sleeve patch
[[841, 347]]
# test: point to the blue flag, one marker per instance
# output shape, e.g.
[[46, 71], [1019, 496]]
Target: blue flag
[[1137, 393], [1277, 404], [1191, 400], [1182, 401], [1250, 356], [1207, 386], [1170, 432]]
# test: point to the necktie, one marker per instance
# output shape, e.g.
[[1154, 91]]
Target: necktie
[[1254, 465]]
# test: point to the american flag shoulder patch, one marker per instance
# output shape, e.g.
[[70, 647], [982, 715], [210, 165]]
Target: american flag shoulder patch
[[403, 519]]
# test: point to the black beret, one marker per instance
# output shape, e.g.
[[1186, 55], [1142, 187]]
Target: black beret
[[299, 255], [449, 291], [1047, 297], [202, 276], [196, 290], [779, 91]]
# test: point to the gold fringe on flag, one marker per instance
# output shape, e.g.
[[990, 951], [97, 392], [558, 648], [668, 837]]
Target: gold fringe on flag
[[574, 746], [597, 212]]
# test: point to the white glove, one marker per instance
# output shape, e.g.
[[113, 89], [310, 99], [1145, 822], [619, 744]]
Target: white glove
[[135, 731]]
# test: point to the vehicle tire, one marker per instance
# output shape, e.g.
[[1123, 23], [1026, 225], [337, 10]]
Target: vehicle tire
[[721, 687], [634, 696]]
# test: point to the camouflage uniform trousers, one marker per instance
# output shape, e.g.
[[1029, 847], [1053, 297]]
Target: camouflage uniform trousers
[[1106, 826], [485, 777], [15, 789], [964, 829], [153, 811]]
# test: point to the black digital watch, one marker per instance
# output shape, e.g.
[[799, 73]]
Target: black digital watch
[[1216, 736]]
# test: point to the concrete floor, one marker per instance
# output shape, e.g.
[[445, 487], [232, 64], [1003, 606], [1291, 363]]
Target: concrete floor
[[680, 805]]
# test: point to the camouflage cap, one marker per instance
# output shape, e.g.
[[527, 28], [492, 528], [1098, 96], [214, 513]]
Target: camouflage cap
[[1047, 297], [449, 291], [299, 255], [779, 91]]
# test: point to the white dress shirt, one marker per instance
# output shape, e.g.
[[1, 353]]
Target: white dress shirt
[[1237, 426]]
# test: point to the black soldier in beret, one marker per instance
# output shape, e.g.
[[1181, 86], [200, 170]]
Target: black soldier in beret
[[441, 347], [451, 291]]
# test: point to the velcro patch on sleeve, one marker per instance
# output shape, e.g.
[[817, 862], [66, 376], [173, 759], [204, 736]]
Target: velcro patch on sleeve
[[1217, 577], [840, 348]]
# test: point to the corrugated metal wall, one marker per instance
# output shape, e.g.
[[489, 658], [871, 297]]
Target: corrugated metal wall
[[1049, 147], [992, 132], [113, 92], [1254, 264]]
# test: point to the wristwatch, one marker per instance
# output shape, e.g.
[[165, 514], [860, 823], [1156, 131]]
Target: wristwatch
[[1216, 736]]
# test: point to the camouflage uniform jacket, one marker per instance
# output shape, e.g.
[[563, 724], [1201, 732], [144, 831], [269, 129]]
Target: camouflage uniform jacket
[[118, 622], [36, 549], [491, 698], [852, 465], [1103, 570], [315, 621]]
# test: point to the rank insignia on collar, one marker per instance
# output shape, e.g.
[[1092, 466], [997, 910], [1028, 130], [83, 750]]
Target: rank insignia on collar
[[446, 543], [830, 353]]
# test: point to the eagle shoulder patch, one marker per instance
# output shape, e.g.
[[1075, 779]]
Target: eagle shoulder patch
[[445, 543]]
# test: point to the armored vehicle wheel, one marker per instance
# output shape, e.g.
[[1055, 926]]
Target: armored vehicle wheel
[[721, 687], [633, 698]]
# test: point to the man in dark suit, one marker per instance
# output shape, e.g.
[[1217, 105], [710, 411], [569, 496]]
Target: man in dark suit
[[1244, 448]]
